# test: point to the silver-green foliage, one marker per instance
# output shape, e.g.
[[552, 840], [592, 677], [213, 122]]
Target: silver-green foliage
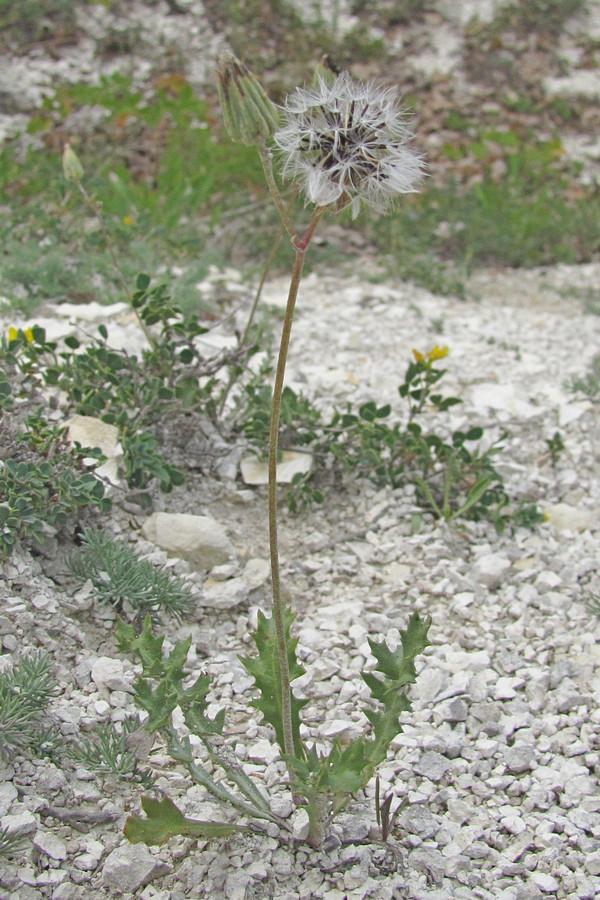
[[120, 576], [11, 842], [108, 751], [25, 691], [589, 384]]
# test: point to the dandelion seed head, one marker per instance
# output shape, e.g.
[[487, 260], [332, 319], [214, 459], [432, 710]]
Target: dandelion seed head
[[347, 143]]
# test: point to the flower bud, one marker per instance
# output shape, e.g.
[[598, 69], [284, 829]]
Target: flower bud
[[72, 168], [250, 117]]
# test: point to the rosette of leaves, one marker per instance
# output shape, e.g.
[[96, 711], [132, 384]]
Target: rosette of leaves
[[322, 783]]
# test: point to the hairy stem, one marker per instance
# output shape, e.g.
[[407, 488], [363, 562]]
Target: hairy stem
[[316, 809], [300, 246]]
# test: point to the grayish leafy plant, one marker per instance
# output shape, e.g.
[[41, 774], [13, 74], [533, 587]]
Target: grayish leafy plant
[[120, 576]]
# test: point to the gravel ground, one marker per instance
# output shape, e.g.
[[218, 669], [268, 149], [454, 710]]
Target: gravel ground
[[499, 760]]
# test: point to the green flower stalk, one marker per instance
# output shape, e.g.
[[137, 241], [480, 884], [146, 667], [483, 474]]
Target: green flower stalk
[[73, 172]]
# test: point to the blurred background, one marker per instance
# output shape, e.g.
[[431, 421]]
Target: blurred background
[[505, 103]]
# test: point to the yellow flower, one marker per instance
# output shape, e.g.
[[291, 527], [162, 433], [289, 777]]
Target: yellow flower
[[418, 356], [13, 334], [437, 353], [127, 220]]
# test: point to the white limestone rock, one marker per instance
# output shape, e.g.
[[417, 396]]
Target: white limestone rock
[[293, 462], [21, 823], [300, 825], [8, 794], [108, 674], [130, 867], [198, 539], [490, 569], [564, 517], [263, 752], [50, 845], [91, 432]]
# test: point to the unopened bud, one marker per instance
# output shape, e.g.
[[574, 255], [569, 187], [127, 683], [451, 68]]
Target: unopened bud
[[250, 117], [72, 168]]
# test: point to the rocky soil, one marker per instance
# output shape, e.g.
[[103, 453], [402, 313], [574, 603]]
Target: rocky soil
[[500, 759]]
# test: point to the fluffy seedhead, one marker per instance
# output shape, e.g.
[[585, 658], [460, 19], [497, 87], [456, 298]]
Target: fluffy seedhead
[[347, 143]]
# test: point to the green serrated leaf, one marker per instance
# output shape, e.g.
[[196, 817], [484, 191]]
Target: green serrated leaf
[[414, 638], [389, 662], [192, 702], [266, 673], [398, 670], [125, 636], [149, 650], [164, 820], [175, 661], [350, 767], [158, 702]]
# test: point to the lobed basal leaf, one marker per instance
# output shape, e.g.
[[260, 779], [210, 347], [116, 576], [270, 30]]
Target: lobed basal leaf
[[267, 674], [164, 820]]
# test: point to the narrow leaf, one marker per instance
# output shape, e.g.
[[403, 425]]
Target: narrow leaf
[[475, 494]]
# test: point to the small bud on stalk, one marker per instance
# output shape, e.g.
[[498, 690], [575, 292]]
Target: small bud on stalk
[[72, 168], [250, 117]]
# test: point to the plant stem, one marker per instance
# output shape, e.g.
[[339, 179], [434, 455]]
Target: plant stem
[[300, 246], [265, 158], [97, 212], [316, 808], [252, 313]]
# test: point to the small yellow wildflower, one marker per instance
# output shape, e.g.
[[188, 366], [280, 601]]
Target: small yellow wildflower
[[127, 220], [437, 353], [13, 334], [418, 356]]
